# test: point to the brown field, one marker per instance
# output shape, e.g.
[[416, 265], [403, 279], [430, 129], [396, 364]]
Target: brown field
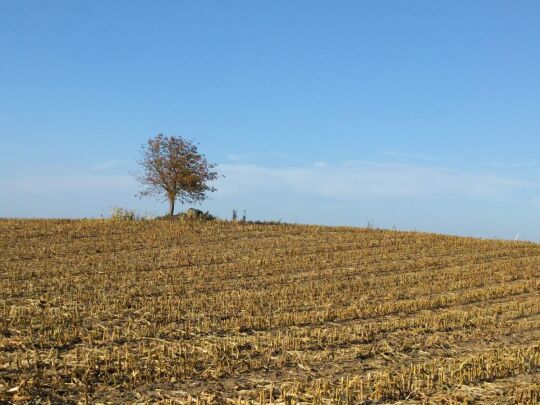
[[99, 311]]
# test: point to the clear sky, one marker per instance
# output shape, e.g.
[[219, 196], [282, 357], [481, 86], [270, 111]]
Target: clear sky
[[416, 114]]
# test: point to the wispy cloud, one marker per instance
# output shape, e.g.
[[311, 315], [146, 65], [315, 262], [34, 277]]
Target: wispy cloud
[[349, 181], [353, 181], [67, 182], [482, 202]]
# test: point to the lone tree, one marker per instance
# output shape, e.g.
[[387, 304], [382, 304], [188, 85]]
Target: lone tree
[[174, 170]]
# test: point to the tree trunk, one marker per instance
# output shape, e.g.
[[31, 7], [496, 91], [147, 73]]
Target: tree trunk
[[171, 206]]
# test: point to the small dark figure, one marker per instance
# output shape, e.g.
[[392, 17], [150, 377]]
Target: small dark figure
[[234, 215], [244, 216]]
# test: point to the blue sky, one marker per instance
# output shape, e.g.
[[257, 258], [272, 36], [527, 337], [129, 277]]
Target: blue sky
[[420, 115]]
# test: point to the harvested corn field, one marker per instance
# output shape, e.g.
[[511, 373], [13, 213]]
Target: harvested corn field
[[98, 311]]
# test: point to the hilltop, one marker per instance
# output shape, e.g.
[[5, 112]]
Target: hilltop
[[147, 311]]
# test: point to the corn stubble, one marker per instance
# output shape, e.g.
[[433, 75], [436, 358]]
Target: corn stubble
[[96, 311]]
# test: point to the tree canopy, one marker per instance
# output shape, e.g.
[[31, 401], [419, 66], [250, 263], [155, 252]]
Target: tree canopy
[[174, 170]]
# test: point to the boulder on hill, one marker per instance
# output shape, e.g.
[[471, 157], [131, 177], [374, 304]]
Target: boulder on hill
[[192, 214]]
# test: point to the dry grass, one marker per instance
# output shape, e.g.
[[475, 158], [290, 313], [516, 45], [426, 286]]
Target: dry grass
[[157, 311]]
